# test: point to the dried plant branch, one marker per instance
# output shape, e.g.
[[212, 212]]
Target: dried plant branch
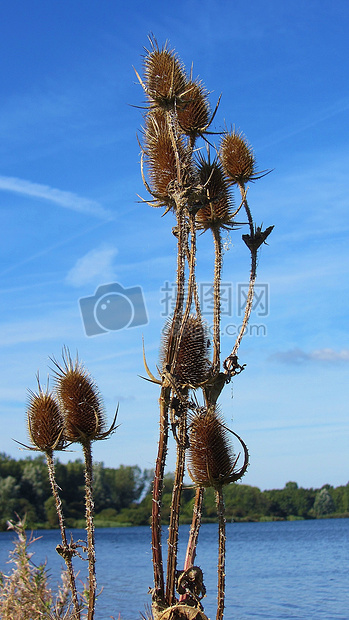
[[221, 553], [67, 552], [217, 298], [175, 508], [194, 531], [89, 510], [159, 587]]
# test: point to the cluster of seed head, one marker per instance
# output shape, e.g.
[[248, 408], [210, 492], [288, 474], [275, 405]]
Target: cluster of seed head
[[178, 112], [74, 413]]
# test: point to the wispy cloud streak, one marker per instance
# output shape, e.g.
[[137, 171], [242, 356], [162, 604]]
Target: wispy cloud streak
[[68, 200]]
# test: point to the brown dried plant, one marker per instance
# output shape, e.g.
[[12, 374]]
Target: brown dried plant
[[85, 422], [212, 463], [47, 433], [198, 191]]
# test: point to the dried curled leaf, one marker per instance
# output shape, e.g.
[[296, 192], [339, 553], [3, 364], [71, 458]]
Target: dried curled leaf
[[181, 611]]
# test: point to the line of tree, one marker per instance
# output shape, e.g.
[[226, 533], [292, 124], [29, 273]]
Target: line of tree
[[123, 496]]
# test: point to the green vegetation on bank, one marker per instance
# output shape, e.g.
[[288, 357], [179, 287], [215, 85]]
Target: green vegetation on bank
[[123, 497]]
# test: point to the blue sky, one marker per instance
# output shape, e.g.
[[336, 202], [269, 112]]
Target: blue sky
[[72, 221]]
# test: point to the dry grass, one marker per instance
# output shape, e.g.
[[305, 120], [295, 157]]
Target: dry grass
[[24, 592]]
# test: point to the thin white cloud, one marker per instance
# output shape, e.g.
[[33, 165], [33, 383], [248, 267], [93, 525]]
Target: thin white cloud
[[296, 356], [95, 266], [68, 200]]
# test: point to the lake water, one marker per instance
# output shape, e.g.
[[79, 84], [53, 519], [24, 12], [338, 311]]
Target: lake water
[[295, 570]]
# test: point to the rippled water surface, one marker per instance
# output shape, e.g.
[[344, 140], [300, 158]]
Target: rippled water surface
[[277, 571]]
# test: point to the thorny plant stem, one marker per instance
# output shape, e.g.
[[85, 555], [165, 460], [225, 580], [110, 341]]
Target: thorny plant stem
[[67, 555], [243, 193], [89, 508], [182, 433], [195, 288], [157, 495], [194, 533], [221, 553], [250, 294], [178, 311], [217, 298], [175, 509], [174, 146], [191, 280]]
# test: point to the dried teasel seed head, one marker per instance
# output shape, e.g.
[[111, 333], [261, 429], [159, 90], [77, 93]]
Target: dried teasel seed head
[[193, 111], [160, 156], [192, 366], [218, 209], [237, 158], [45, 421], [211, 461], [164, 76], [80, 402]]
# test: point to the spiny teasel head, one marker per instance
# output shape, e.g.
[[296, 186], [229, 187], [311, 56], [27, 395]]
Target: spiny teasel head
[[192, 366], [45, 421], [237, 158], [193, 111], [161, 158], [217, 211], [211, 461], [164, 76], [80, 402]]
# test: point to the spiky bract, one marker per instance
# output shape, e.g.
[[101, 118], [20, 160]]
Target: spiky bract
[[192, 365], [80, 402], [237, 158], [217, 210], [45, 421], [211, 460], [164, 75]]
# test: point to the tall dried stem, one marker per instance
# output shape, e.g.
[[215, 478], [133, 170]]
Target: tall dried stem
[[182, 434], [159, 589], [217, 297], [250, 294], [221, 553], [66, 551], [194, 532], [89, 509], [175, 509]]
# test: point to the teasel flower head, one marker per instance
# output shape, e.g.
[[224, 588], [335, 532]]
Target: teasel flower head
[[165, 80], [237, 158], [193, 110], [45, 421], [161, 158], [217, 210], [192, 366], [80, 402], [211, 461]]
